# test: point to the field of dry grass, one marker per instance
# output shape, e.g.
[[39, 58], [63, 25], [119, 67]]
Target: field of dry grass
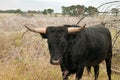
[[27, 57]]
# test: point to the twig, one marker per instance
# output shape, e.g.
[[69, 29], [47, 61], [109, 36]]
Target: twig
[[27, 30], [24, 33], [115, 38], [115, 71], [31, 25], [107, 3], [80, 20], [113, 66]]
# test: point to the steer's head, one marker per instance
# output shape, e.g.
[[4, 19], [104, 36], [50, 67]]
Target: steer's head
[[57, 40]]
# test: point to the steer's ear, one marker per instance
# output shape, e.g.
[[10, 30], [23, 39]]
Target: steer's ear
[[44, 36]]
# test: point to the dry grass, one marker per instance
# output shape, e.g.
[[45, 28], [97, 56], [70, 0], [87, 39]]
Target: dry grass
[[27, 57]]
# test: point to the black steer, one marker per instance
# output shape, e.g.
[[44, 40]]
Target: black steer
[[75, 48]]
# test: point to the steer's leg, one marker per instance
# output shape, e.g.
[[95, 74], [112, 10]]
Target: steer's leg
[[65, 75], [96, 71], [79, 73], [108, 62], [88, 70], [108, 66]]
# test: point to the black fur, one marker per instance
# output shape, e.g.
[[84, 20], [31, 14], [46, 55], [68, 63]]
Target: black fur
[[86, 48]]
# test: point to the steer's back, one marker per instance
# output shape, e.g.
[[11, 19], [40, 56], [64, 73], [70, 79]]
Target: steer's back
[[99, 44]]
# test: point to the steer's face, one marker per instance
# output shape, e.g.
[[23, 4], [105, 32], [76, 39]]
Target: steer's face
[[57, 40], [57, 43]]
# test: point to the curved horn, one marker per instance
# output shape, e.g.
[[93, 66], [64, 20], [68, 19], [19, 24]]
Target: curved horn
[[37, 30], [75, 29]]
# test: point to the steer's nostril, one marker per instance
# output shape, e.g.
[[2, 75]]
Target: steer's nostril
[[55, 61]]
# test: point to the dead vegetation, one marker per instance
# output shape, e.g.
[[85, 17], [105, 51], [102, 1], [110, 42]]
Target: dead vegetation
[[27, 57]]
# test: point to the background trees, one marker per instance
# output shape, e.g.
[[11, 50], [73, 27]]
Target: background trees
[[91, 10], [73, 10], [11, 11], [76, 10], [115, 11], [47, 11]]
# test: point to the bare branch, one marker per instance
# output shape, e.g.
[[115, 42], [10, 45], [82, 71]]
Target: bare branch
[[115, 71], [80, 20], [115, 38], [107, 3], [24, 33]]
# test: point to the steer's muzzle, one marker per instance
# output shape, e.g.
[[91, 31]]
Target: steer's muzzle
[[55, 62]]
